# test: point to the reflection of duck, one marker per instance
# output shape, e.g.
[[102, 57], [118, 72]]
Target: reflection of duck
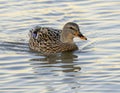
[[48, 40], [67, 59], [62, 62]]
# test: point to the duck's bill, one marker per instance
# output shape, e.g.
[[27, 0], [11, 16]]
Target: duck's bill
[[82, 37]]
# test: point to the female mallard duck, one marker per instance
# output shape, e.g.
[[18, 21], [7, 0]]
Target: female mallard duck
[[48, 40]]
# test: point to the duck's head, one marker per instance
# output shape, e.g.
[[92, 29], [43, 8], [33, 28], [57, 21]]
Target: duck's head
[[74, 30]]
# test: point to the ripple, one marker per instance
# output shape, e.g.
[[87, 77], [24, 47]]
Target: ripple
[[93, 68]]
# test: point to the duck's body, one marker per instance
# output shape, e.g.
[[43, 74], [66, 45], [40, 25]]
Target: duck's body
[[48, 40]]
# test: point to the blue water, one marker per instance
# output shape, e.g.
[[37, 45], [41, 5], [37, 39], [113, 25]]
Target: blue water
[[94, 68]]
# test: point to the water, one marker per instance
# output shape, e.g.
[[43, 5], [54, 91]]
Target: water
[[94, 68]]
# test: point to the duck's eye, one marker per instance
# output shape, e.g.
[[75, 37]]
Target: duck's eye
[[72, 28]]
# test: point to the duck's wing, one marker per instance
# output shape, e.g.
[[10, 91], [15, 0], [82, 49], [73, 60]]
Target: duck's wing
[[45, 34], [44, 39]]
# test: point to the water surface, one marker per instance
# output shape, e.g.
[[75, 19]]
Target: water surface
[[94, 68]]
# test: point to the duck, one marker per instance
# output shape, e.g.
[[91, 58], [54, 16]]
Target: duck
[[47, 40]]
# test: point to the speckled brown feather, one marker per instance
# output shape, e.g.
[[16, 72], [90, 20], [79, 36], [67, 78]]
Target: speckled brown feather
[[47, 41]]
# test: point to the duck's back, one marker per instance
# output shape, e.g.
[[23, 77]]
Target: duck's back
[[47, 40], [44, 39]]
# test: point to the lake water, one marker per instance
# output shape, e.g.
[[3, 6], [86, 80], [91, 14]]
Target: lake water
[[94, 68]]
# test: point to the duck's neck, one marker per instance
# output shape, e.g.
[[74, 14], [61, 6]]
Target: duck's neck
[[66, 37]]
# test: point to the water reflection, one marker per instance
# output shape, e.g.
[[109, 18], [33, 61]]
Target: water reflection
[[63, 61], [57, 70]]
